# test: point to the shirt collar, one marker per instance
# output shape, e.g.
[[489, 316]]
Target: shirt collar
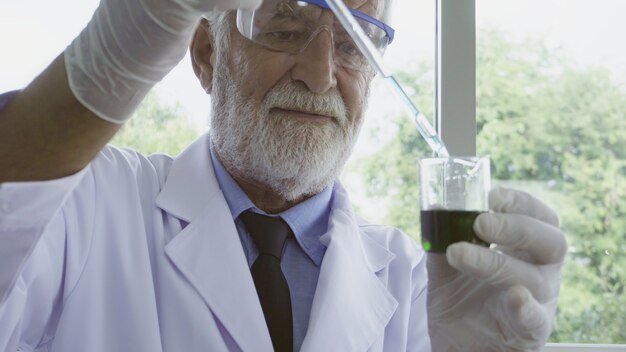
[[308, 219]]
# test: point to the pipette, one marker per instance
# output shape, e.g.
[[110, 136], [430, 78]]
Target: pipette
[[373, 56]]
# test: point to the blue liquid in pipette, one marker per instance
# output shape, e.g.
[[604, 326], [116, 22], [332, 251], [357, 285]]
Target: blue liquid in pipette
[[419, 119]]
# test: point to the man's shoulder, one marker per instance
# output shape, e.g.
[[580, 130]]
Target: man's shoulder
[[115, 157]]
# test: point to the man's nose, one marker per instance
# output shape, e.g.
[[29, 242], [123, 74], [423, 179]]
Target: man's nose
[[315, 64]]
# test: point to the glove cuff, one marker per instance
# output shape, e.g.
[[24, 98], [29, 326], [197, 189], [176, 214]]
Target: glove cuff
[[120, 55]]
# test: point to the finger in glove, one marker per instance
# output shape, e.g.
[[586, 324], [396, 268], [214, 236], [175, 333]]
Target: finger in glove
[[524, 316], [501, 270], [543, 242], [506, 200]]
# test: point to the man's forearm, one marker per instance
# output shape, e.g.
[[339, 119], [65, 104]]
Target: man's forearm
[[46, 133]]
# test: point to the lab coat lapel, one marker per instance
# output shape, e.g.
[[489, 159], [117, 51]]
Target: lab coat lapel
[[351, 306], [208, 251]]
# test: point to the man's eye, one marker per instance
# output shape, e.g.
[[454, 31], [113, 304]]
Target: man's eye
[[348, 48], [284, 35]]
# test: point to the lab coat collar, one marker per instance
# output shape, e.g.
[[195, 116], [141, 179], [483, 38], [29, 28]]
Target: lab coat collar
[[351, 306], [190, 183], [208, 251]]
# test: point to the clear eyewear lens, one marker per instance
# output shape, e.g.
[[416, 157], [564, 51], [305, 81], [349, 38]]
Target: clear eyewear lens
[[290, 26]]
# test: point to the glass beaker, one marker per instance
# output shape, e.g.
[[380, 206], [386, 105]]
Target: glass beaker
[[453, 191]]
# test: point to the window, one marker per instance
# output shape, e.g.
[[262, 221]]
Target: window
[[549, 108], [551, 111]]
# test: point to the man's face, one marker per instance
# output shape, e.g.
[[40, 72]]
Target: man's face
[[287, 121]]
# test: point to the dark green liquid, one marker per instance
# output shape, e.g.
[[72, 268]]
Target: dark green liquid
[[441, 228]]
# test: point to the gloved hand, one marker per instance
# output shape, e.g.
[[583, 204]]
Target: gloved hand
[[130, 45], [503, 298]]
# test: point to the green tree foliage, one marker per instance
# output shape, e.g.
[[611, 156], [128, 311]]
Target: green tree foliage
[[557, 131], [156, 128]]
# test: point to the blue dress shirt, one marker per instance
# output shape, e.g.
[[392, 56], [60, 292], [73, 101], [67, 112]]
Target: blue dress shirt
[[302, 256]]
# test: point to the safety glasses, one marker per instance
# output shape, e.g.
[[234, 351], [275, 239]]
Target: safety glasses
[[290, 26]]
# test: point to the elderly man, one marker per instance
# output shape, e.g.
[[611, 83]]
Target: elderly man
[[245, 241]]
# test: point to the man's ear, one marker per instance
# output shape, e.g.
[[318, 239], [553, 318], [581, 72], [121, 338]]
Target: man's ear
[[203, 55]]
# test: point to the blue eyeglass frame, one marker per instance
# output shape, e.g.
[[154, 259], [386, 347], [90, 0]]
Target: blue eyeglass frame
[[390, 32]]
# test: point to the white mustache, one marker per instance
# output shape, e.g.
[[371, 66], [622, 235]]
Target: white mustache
[[295, 96]]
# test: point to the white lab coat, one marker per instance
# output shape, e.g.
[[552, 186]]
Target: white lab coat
[[141, 254]]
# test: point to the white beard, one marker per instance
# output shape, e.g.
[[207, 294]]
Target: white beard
[[294, 159]]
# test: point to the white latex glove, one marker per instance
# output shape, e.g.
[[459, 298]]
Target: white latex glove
[[130, 45], [503, 298]]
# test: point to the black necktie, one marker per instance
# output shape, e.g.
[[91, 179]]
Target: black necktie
[[269, 234]]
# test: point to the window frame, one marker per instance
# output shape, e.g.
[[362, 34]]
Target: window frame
[[455, 75]]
